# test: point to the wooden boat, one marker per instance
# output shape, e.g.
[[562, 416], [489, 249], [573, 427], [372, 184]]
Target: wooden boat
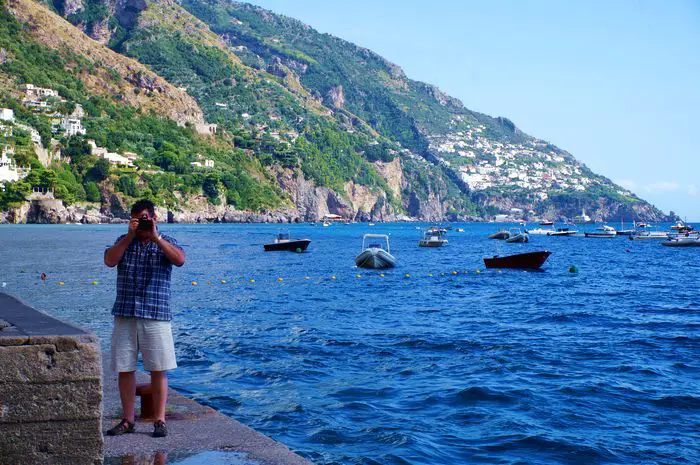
[[527, 261], [517, 236], [375, 254], [283, 242], [501, 235], [602, 232], [433, 237]]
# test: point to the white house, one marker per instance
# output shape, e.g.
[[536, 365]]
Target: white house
[[32, 91], [209, 163], [9, 172], [72, 126], [7, 115], [205, 129], [111, 157]]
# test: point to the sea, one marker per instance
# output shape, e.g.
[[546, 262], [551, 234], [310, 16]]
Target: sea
[[594, 360]]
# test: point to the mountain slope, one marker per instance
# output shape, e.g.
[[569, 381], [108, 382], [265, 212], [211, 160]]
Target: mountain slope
[[489, 159]]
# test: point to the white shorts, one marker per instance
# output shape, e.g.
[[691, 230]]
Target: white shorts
[[153, 338]]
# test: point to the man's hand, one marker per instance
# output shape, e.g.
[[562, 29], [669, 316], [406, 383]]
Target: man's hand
[[153, 233], [133, 226]]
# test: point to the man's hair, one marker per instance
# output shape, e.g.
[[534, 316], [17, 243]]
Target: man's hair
[[143, 204]]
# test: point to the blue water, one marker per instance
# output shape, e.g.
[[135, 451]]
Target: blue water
[[512, 367]]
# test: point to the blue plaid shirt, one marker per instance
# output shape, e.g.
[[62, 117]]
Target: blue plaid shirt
[[143, 281]]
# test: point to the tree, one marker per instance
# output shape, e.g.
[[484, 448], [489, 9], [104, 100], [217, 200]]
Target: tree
[[211, 186], [127, 185], [48, 178], [92, 192], [99, 171]]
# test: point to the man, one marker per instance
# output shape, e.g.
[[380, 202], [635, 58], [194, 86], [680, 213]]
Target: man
[[144, 260]]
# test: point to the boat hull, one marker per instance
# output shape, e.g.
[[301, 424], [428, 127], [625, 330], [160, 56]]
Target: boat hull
[[501, 235], [429, 243], [562, 233], [290, 246], [375, 259], [646, 236], [524, 261], [600, 235], [682, 242]]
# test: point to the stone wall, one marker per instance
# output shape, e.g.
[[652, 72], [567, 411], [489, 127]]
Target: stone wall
[[50, 389]]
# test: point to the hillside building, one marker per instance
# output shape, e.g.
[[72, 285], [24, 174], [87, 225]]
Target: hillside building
[[7, 114], [9, 172], [72, 126]]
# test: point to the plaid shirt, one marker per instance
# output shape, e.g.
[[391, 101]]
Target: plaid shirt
[[143, 281]]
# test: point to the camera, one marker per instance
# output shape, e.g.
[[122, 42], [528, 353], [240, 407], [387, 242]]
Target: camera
[[145, 224]]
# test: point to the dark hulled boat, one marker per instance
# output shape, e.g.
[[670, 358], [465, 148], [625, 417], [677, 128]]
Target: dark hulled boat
[[283, 242], [526, 261]]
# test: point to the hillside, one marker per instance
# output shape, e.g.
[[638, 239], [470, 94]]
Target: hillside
[[297, 122]]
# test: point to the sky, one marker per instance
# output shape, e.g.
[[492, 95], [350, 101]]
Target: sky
[[615, 83]]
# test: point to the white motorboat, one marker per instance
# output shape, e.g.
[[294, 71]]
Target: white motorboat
[[563, 232], [459, 229], [375, 254], [326, 224], [433, 237], [603, 231], [540, 231], [517, 236]]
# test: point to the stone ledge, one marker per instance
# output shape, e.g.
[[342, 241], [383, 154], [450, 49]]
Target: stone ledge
[[44, 363], [64, 401]]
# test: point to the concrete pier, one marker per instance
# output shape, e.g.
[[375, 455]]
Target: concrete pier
[[56, 401], [50, 389]]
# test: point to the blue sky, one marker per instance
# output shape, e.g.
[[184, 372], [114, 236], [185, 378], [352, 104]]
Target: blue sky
[[616, 83]]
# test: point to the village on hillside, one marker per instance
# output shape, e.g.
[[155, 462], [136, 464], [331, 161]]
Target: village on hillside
[[531, 167], [44, 102]]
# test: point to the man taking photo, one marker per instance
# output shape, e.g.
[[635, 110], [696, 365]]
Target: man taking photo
[[144, 259]]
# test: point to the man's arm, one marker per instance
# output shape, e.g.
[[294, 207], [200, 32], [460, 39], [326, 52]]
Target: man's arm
[[114, 254], [175, 254]]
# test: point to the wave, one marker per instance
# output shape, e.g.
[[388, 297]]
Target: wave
[[686, 402]]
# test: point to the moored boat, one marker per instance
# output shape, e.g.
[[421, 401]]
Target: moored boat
[[646, 235], [682, 241], [546, 223], [563, 232], [501, 235], [529, 260], [283, 242], [517, 236], [375, 254], [602, 232], [433, 237]]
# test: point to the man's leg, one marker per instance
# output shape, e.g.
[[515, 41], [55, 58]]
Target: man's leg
[[159, 386], [127, 392]]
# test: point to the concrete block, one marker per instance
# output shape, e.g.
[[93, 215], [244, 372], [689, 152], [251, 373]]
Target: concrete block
[[56, 442], [69, 400], [44, 363]]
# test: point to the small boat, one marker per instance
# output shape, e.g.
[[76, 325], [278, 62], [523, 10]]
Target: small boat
[[375, 255], [459, 229], [433, 237], [527, 261], [641, 225], [563, 232], [518, 237], [604, 231], [501, 235], [326, 224], [625, 232], [682, 241], [546, 223], [582, 218], [540, 231], [371, 224], [283, 242], [646, 235]]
